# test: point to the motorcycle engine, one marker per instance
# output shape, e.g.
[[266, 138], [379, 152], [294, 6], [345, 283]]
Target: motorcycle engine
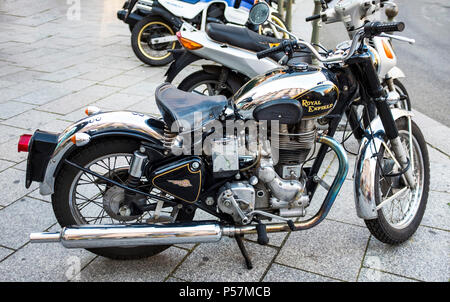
[[276, 184], [293, 142]]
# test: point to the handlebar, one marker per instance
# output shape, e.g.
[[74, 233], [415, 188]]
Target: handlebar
[[376, 28], [313, 17], [369, 30], [267, 52]]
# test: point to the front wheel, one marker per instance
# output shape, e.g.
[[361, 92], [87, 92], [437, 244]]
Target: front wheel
[[400, 215], [144, 47], [81, 198]]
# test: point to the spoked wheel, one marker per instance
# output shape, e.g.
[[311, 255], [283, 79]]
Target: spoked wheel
[[204, 83], [81, 198], [401, 208], [142, 41]]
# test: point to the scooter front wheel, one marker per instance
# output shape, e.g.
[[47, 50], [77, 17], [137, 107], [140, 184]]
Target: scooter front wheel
[[151, 40]]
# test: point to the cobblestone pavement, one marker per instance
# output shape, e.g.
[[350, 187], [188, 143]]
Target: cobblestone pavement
[[51, 67]]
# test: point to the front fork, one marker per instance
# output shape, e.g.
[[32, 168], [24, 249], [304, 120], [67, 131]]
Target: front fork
[[378, 94], [398, 149]]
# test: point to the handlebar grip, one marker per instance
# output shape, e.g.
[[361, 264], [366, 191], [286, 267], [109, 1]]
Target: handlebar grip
[[312, 18], [266, 52], [376, 28]]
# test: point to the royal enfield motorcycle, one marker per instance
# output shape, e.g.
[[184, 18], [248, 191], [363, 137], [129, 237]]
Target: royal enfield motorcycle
[[126, 185], [154, 23], [234, 49]]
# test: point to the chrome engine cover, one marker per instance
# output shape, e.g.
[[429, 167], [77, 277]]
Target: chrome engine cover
[[237, 199]]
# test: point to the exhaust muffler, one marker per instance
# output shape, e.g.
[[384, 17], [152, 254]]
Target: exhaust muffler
[[98, 236]]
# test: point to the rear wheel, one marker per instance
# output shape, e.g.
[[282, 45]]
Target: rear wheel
[[202, 82], [80, 198], [155, 54], [400, 215]]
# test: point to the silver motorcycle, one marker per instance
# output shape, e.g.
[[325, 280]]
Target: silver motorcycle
[[126, 185]]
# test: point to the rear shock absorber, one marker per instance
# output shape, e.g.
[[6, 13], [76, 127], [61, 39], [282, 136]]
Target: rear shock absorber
[[135, 173]]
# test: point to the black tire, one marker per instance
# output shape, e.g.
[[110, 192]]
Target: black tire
[[380, 227], [197, 78], [65, 177], [401, 89], [137, 34]]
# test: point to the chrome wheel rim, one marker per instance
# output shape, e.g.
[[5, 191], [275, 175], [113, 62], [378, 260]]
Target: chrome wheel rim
[[401, 211], [86, 194]]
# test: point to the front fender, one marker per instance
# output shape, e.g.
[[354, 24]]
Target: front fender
[[396, 73], [108, 124], [366, 165]]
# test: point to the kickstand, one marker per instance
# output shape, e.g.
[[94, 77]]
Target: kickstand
[[241, 245]]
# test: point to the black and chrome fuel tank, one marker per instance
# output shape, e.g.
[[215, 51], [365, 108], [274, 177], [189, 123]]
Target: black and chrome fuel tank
[[314, 88]]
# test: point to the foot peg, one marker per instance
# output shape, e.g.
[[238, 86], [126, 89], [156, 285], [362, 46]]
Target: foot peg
[[291, 225]]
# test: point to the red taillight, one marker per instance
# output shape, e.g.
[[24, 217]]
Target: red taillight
[[24, 141]]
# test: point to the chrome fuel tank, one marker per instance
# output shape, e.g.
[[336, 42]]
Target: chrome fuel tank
[[315, 88]]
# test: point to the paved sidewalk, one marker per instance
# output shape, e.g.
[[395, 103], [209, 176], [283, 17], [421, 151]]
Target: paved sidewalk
[[51, 68]]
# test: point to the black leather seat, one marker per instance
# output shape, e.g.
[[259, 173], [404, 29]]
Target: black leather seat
[[179, 107], [239, 36], [245, 38]]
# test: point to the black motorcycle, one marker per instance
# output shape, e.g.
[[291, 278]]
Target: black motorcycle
[[126, 185]]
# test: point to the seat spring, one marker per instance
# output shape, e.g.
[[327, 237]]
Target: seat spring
[[168, 137]]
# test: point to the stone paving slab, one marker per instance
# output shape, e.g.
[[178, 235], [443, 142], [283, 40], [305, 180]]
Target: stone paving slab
[[33, 263], [281, 273], [23, 217], [223, 261], [12, 178], [331, 248], [4, 252], [424, 257], [154, 269], [372, 275]]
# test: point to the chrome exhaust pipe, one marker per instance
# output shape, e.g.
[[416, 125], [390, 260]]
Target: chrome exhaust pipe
[[99, 236], [114, 235]]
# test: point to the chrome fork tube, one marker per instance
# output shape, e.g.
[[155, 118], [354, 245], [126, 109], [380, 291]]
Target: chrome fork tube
[[400, 153]]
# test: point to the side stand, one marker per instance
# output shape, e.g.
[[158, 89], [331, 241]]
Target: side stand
[[241, 245]]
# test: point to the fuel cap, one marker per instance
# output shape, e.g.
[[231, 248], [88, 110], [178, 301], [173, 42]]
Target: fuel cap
[[299, 66]]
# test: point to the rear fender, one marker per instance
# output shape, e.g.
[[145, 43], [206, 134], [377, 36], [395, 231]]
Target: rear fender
[[110, 124], [183, 58]]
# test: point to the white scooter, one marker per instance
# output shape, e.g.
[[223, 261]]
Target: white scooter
[[154, 23], [235, 50]]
